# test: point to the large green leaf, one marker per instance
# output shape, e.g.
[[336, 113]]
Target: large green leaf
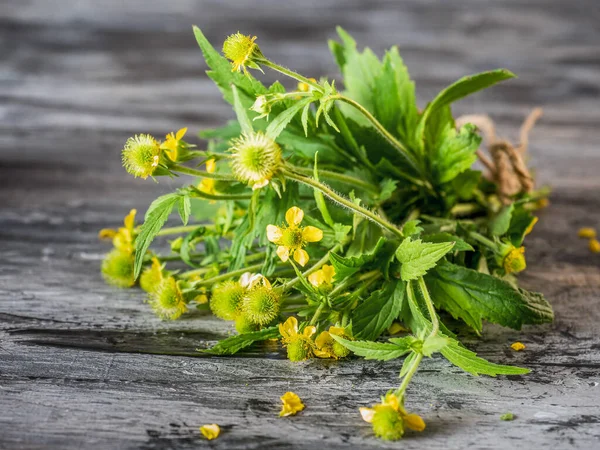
[[473, 296], [417, 257], [381, 351], [374, 315], [454, 153]]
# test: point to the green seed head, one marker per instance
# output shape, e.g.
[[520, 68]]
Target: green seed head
[[117, 269], [226, 299], [299, 349], [167, 301], [255, 159], [141, 155], [261, 305], [151, 278], [244, 325], [339, 350], [387, 423]]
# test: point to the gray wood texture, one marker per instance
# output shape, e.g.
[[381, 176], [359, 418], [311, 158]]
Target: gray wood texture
[[83, 365]]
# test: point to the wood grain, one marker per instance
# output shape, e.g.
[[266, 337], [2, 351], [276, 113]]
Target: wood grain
[[83, 365]]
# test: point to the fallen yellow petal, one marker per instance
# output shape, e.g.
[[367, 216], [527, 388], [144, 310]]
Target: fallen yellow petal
[[518, 346], [367, 413], [291, 404], [587, 233], [210, 431], [594, 246]]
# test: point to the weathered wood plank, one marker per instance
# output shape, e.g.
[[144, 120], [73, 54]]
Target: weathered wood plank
[[85, 366]]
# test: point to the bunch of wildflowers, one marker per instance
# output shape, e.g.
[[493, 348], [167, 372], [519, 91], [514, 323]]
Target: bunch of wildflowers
[[337, 222]]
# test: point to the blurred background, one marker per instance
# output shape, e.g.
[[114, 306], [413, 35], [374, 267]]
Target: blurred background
[[77, 77]]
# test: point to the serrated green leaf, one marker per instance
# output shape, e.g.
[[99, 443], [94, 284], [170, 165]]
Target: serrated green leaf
[[418, 257], [348, 266], [381, 351], [473, 296], [455, 152], [412, 227], [459, 244], [235, 343], [241, 112], [277, 125], [184, 207], [434, 344], [500, 223], [460, 89], [470, 362], [374, 315], [156, 216]]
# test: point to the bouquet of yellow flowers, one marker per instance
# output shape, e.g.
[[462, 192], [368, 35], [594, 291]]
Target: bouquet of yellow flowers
[[340, 222]]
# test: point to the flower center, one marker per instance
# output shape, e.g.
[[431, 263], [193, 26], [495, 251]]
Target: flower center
[[292, 238]]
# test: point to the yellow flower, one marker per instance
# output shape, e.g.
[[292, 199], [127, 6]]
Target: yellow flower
[[123, 237], [172, 143], [594, 246], [255, 159], [141, 155], [211, 431], [389, 418], [305, 87], [514, 260], [324, 276], [518, 346], [587, 233], [207, 185], [299, 345], [292, 238], [327, 347], [152, 276], [242, 51], [291, 404]]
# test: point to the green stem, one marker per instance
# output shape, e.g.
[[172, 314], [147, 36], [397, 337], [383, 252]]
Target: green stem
[[435, 323], [225, 265], [317, 314], [347, 179], [198, 193], [343, 201], [201, 173], [228, 275], [465, 209], [406, 380], [381, 129], [179, 230], [483, 240], [290, 73]]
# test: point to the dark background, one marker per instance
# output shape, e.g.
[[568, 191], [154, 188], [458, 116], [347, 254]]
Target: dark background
[[81, 363]]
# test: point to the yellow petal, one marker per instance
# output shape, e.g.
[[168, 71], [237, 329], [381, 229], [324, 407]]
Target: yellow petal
[[211, 431], [180, 133], [309, 331], [529, 229], [316, 278], [518, 346], [283, 253], [393, 401], [337, 331], [245, 279], [107, 233], [367, 414], [289, 328], [414, 422], [294, 216], [312, 234], [291, 404], [323, 340], [210, 165], [328, 273], [274, 233], [130, 219], [301, 257]]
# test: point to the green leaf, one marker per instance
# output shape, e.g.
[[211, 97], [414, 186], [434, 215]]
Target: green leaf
[[184, 208], [418, 257], [473, 296], [470, 362], [459, 244], [520, 223], [500, 223], [277, 125], [455, 153], [381, 351], [412, 227], [374, 315], [460, 89], [434, 344], [465, 184], [156, 216], [348, 266], [235, 343], [241, 112]]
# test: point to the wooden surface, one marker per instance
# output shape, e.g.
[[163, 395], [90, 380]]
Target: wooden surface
[[83, 365]]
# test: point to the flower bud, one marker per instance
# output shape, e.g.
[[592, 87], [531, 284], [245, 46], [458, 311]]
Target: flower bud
[[244, 325], [167, 300], [261, 304], [513, 259], [261, 106], [117, 268], [299, 349], [141, 155], [387, 423], [255, 159], [225, 300]]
